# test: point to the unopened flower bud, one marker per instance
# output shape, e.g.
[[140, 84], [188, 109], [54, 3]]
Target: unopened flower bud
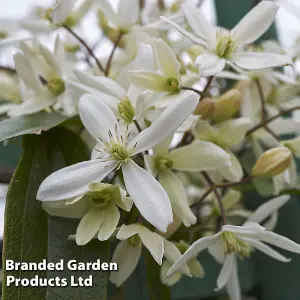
[[227, 105], [126, 111], [272, 162], [205, 108]]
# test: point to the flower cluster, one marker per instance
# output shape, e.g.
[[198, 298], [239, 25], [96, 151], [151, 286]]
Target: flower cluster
[[172, 141]]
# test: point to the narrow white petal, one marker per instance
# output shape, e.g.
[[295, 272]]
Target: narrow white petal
[[111, 216], [148, 80], [172, 254], [175, 189], [232, 132], [216, 250], [103, 84], [97, 117], [210, 64], [241, 229], [108, 11], [255, 23], [162, 148], [26, 72], [128, 12], [199, 156], [126, 263], [233, 172], [73, 181], [268, 208], [154, 243], [148, 196], [185, 32], [126, 231], [266, 249], [233, 285], [278, 241], [226, 271], [169, 281], [89, 226], [62, 10], [166, 124], [257, 61], [199, 24], [166, 59], [193, 251]]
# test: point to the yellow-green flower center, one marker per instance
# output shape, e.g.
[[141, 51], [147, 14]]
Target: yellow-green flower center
[[231, 243], [119, 152], [134, 241], [225, 44], [173, 85], [56, 86], [126, 110], [71, 48], [102, 197], [163, 163], [70, 21]]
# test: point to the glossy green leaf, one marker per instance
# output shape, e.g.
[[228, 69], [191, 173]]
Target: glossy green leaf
[[35, 123]]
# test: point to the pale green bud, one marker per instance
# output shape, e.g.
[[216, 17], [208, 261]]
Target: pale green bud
[[272, 162], [3, 35], [205, 108]]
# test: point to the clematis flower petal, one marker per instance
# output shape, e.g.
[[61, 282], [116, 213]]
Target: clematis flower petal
[[148, 80], [97, 117], [199, 24], [267, 209], [166, 124], [278, 241], [233, 131], [111, 216], [175, 190], [233, 172], [170, 280], [255, 23], [187, 34], [126, 263], [199, 156], [73, 181], [89, 226], [210, 64], [61, 11], [108, 11], [233, 285], [267, 250], [128, 12], [193, 251], [148, 196], [166, 59], [102, 84], [226, 271], [257, 61]]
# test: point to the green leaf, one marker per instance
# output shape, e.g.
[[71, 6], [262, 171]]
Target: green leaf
[[60, 247], [13, 127], [26, 224], [156, 289], [25, 232]]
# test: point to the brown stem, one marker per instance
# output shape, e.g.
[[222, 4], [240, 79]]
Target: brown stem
[[161, 4], [87, 47], [261, 125], [8, 69], [206, 89], [191, 89], [112, 54], [218, 197]]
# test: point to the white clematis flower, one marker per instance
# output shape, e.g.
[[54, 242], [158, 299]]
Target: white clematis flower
[[240, 240], [196, 157], [167, 80], [103, 217], [147, 194], [222, 45], [132, 238]]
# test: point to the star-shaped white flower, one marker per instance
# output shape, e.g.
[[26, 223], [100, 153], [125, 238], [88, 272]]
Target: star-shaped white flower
[[147, 194], [222, 45]]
